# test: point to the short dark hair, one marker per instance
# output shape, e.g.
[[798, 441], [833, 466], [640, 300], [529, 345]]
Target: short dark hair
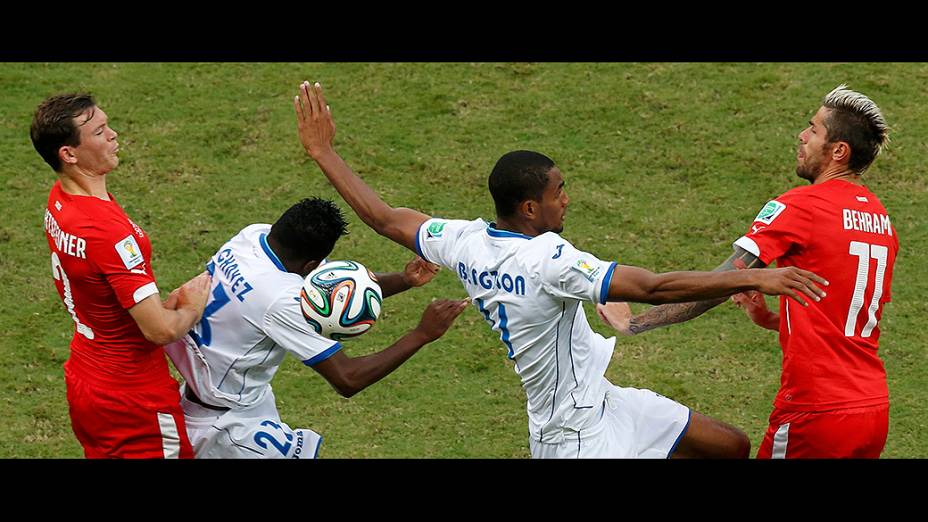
[[308, 230], [53, 125], [518, 175]]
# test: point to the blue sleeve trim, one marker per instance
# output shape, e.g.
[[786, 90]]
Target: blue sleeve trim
[[607, 279], [324, 355], [689, 417], [419, 245]]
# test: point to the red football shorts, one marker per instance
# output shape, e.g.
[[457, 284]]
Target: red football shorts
[[134, 423], [855, 433]]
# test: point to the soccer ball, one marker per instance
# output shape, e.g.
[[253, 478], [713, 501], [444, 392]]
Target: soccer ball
[[341, 299]]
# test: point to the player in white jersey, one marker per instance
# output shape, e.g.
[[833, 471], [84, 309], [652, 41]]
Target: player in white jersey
[[529, 284], [253, 319]]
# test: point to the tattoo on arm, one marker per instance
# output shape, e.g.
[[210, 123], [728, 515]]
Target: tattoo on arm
[[667, 314]]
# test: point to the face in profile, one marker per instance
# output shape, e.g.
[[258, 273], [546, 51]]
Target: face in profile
[[813, 151], [553, 204], [98, 150]]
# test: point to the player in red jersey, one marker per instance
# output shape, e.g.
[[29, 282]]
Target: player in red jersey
[[122, 399], [833, 400]]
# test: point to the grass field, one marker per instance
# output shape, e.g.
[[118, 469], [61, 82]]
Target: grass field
[[666, 165]]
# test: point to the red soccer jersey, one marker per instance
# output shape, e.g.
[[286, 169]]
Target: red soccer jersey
[[840, 231], [101, 267]]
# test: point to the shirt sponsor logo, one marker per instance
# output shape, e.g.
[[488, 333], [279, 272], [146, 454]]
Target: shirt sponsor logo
[[130, 252], [584, 267], [770, 212], [435, 231]]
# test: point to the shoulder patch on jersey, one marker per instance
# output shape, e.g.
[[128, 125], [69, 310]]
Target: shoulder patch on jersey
[[584, 267], [435, 231], [771, 210], [130, 252]]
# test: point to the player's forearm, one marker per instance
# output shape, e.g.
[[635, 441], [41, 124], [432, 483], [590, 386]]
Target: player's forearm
[[360, 197], [392, 283], [679, 287], [668, 314], [173, 325], [371, 368]]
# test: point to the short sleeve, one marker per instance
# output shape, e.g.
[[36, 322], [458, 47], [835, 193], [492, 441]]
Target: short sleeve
[[284, 323], [570, 273], [117, 254], [436, 238], [780, 224]]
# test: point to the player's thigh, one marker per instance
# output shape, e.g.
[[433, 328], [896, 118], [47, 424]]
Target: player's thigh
[[642, 423], [848, 433], [235, 436], [144, 423]]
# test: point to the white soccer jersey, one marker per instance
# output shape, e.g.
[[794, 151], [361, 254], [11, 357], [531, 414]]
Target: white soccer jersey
[[252, 319], [530, 291]]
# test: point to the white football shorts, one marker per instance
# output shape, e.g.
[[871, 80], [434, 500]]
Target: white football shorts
[[255, 432], [633, 423]]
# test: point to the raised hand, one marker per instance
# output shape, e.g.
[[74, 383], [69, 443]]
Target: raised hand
[[617, 315], [755, 306], [194, 293], [419, 272], [439, 315], [314, 120], [790, 281]]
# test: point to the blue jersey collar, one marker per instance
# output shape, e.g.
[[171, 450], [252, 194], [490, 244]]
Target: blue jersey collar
[[270, 253], [494, 232]]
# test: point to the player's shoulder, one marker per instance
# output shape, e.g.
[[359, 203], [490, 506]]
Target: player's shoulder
[[103, 227], [547, 248], [252, 233], [798, 194], [548, 239], [275, 291], [437, 224], [797, 198], [437, 229]]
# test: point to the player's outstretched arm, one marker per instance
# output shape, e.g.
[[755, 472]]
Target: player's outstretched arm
[[625, 323], [317, 130], [417, 273], [635, 284], [162, 323], [351, 375]]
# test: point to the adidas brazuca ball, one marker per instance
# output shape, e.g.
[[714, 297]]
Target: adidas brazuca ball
[[341, 299]]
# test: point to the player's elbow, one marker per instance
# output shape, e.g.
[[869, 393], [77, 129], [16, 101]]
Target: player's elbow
[[346, 386], [346, 390]]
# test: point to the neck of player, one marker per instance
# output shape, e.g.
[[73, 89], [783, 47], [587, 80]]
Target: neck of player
[[838, 172], [522, 227], [83, 183]]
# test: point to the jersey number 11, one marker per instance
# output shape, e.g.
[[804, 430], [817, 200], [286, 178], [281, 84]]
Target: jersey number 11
[[864, 252]]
